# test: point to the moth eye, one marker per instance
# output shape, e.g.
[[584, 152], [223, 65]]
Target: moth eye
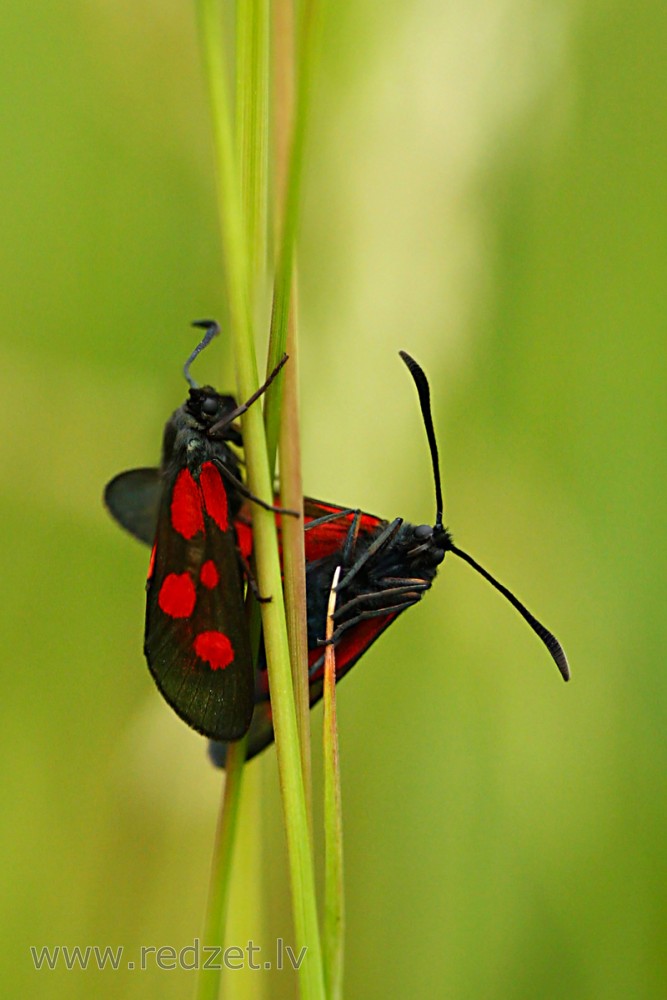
[[422, 532], [209, 406]]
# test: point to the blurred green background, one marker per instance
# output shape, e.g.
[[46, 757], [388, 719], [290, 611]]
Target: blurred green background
[[486, 189]]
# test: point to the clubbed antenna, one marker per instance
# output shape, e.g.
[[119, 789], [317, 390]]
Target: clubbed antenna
[[548, 638], [425, 402], [212, 330]]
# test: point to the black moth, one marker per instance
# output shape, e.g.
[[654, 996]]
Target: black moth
[[386, 568], [196, 640]]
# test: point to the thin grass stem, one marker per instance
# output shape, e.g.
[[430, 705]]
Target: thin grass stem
[[334, 896], [239, 294]]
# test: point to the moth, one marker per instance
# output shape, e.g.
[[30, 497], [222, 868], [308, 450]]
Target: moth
[[196, 640], [387, 567]]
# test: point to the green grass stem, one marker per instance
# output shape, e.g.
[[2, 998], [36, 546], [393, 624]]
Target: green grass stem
[[208, 982], [239, 293], [289, 442]]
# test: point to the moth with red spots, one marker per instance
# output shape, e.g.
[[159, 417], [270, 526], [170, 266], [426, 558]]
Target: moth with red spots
[[386, 568], [196, 640]]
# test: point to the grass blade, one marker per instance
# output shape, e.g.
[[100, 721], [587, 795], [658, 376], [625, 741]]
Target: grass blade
[[239, 289], [334, 898]]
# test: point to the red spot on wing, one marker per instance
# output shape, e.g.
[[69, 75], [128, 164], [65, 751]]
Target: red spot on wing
[[187, 517], [177, 595], [151, 564], [215, 495], [209, 575], [215, 649], [244, 538]]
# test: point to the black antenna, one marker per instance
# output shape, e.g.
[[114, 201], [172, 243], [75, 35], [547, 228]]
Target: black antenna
[[548, 638], [425, 402], [212, 330]]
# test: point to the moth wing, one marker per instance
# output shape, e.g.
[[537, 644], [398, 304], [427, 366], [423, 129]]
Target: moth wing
[[351, 645], [133, 500], [348, 650], [322, 539], [330, 535], [196, 641], [260, 735]]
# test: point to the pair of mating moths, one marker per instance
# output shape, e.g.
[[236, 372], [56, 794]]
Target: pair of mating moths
[[196, 513]]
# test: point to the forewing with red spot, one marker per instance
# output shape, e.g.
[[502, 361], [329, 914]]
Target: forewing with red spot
[[196, 643]]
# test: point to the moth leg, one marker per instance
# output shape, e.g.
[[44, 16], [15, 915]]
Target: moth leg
[[330, 517], [250, 578], [404, 589], [351, 540], [244, 491], [382, 539], [352, 533], [362, 616], [216, 430]]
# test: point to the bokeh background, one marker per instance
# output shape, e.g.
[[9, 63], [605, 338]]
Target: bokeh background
[[486, 189]]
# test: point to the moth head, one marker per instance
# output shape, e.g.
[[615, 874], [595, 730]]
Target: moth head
[[207, 406]]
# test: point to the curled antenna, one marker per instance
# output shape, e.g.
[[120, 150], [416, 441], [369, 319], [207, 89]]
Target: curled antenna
[[548, 638], [212, 330], [425, 402]]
